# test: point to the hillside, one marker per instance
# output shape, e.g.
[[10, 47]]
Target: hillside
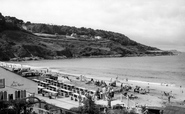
[[25, 40]]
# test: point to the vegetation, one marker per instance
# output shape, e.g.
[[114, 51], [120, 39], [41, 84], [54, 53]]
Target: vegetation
[[17, 40], [14, 107], [89, 107]]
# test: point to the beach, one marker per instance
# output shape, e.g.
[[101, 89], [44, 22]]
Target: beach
[[155, 97], [160, 69]]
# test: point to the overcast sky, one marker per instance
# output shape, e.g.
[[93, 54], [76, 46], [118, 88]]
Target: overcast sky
[[159, 23]]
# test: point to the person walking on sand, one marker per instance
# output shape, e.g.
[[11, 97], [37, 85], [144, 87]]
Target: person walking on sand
[[148, 88], [169, 98], [127, 80], [181, 89], [117, 79]]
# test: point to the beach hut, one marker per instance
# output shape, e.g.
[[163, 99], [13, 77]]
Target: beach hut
[[79, 90], [55, 82], [48, 80], [50, 93], [52, 87], [53, 77], [75, 97], [68, 86], [40, 89], [36, 80], [30, 74], [61, 84], [43, 84], [64, 92]]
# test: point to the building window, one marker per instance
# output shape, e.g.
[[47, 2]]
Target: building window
[[24, 93], [2, 83], [19, 94], [16, 94], [10, 96], [3, 95]]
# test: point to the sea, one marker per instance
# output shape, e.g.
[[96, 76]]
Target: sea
[[157, 69]]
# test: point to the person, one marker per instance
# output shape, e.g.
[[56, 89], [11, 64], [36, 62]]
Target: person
[[169, 99], [80, 99], [92, 80], [97, 94], [123, 94], [112, 92], [98, 83], [108, 89], [161, 111], [182, 89], [109, 100], [56, 96], [101, 83], [111, 80], [103, 92], [117, 79], [121, 85], [49, 95], [148, 87], [127, 100], [127, 80]]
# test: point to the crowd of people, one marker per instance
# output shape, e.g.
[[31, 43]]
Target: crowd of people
[[105, 93]]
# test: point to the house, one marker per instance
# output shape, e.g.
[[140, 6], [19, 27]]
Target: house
[[14, 86], [98, 37], [73, 35], [84, 36]]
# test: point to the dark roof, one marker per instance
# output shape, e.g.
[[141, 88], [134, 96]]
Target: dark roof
[[174, 110]]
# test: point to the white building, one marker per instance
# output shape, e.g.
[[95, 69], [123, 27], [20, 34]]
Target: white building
[[13, 86], [98, 37]]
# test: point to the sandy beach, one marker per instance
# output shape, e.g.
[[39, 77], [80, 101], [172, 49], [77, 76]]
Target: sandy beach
[[155, 97]]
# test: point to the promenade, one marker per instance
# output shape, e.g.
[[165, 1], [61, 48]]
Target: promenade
[[59, 102]]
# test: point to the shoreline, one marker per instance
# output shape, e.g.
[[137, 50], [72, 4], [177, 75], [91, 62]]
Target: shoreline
[[99, 56], [121, 80], [156, 96]]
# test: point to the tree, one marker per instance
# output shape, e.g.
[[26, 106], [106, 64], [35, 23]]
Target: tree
[[2, 22], [89, 107], [17, 106]]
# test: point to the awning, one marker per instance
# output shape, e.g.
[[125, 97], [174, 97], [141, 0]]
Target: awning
[[43, 82], [50, 91], [36, 80], [65, 90], [53, 86], [40, 87]]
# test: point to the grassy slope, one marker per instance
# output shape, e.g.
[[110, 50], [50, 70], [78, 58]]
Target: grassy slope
[[16, 43]]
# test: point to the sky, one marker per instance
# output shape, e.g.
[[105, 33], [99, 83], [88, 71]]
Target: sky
[[158, 23]]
